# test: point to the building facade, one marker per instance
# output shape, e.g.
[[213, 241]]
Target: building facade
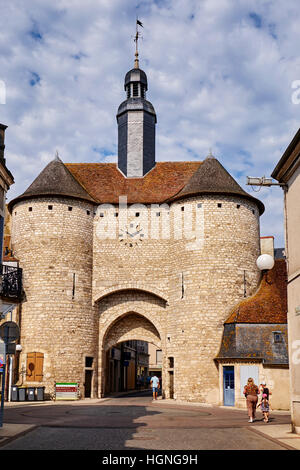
[[155, 361], [287, 172], [10, 273], [134, 251], [255, 343]]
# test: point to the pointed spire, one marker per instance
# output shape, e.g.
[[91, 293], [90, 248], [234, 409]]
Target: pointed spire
[[136, 61], [136, 39], [210, 155]]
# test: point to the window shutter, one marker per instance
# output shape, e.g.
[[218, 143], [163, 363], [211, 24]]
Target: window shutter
[[34, 368], [30, 367], [245, 373], [39, 361]]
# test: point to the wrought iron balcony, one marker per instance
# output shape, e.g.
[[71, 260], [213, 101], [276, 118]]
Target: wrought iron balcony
[[11, 283]]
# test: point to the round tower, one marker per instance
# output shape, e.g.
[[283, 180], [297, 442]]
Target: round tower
[[52, 230], [214, 250]]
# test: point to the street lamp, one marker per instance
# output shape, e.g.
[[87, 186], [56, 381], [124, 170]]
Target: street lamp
[[265, 262]]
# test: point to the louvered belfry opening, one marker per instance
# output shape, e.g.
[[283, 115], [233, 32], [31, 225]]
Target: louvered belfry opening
[[136, 90]]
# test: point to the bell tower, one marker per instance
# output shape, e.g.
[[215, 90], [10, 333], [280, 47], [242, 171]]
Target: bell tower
[[136, 119]]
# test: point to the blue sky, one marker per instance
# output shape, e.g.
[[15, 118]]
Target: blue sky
[[220, 75]]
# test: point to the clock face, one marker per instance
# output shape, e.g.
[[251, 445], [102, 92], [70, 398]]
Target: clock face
[[131, 235]]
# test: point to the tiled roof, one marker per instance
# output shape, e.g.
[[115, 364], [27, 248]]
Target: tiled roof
[[255, 342], [269, 303], [105, 183], [55, 180], [211, 177]]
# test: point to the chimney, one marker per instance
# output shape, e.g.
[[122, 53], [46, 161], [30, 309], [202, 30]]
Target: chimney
[[2, 146], [267, 245]]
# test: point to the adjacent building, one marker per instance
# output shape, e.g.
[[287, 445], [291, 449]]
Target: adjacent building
[[10, 273], [287, 173], [155, 361], [6, 180], [255, 343], [127, 365]]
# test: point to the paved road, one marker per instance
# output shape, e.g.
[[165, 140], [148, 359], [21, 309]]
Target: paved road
[[135, 422]]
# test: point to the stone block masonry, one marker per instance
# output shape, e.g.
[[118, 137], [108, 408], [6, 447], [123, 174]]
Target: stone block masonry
[[84, 293], [52, 238]]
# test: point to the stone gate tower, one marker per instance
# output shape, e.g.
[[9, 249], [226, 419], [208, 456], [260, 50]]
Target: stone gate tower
[[181, 253]]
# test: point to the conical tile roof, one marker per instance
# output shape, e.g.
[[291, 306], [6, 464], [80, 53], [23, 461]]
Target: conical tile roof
[[211, 177], [54, 180]]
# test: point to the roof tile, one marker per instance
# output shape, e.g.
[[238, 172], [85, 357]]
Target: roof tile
[[269, 303]]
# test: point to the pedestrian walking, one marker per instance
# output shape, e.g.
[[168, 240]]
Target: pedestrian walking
[[264, 390], [251, 393], [265, 407], [155, 386]]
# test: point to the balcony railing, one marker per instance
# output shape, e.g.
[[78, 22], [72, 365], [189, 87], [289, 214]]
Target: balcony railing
[[11, 282]]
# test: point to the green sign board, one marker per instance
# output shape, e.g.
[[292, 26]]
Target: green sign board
[[66, 391]]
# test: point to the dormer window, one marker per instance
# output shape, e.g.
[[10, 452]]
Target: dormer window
[[278, 337]]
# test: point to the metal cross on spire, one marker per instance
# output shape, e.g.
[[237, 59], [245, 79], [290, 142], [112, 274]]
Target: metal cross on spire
[[137, 35]]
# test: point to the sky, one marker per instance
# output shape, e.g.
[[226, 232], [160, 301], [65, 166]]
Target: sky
[[222, 75]]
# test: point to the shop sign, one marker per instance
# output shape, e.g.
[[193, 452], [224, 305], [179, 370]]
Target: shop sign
[[66, 391], [2, 355]]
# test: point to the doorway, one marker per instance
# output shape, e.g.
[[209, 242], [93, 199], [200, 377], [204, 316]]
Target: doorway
[[88, 377], [228, 385], [88, 383], [171, 384]]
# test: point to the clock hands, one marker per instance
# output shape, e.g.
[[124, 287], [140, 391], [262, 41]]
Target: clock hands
[[135, 233], [132, 235], [129, 233]]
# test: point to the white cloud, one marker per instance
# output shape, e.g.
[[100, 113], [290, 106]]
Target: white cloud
[[220, 75]]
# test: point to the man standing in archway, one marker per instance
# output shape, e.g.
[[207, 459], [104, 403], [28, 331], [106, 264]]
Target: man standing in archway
[[155, 386]]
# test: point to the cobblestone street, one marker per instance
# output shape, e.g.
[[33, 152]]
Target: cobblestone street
[[136, 422]]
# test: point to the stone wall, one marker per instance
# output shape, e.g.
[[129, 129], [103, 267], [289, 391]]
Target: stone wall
[[200, 273], [54, 247], [173, 284]]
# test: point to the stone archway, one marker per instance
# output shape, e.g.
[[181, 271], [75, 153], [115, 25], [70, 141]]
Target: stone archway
[[131, 326]]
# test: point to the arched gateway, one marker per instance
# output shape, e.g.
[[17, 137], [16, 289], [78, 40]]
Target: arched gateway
[[125, 316]]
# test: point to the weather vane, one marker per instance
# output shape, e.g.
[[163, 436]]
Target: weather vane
[[137, 36]]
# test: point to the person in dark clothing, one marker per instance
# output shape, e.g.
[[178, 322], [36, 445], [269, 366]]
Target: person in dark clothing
[[264, 390]]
